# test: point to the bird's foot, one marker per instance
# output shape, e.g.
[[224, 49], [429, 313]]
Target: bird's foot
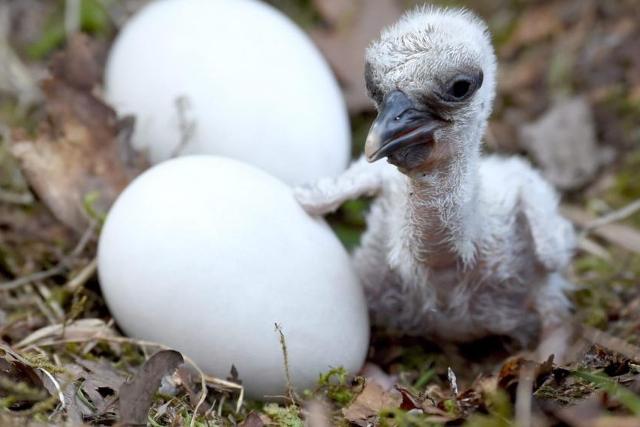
[[555, 341]]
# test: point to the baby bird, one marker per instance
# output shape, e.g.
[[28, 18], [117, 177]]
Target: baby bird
[[458, 246]]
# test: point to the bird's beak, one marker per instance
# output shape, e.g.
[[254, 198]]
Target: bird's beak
[[399, 125]]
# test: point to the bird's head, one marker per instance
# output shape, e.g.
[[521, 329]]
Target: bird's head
[[432, 77]]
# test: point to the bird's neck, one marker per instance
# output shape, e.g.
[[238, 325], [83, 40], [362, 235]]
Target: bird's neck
[[443, 213]]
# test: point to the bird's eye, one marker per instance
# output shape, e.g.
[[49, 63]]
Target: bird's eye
[[460, 88]]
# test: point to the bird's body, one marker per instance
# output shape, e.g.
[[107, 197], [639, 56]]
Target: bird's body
[[458, 246]]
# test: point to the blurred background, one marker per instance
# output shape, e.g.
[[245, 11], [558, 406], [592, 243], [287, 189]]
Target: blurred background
[[568, 99]]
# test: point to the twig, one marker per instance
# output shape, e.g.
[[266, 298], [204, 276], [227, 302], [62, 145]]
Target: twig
[[453, 381], [203, 385], [53, 271], [56, 384], [15, 77], [589, 246], [185, 126], [523, 396], [42, 306], [287, 374], [72, 17], [81, 278], [51, 302], [9, 197], [617, 234], [25, 280], [615, 216]]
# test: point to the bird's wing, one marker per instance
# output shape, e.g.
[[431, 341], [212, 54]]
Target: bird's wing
[[553, 236], [327, 195]]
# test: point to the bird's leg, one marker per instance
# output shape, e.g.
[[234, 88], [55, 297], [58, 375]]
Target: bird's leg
[[557, 328], [326, 195]]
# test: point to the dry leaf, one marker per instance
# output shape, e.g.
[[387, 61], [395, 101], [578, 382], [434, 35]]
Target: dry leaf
[[100, 382], [76, 151], [79, 65], [563, 142], [79, 329], [370, 402], [353, 26], [252, 420], [618, 234], [21, 381], [511, 369], [136, 396]]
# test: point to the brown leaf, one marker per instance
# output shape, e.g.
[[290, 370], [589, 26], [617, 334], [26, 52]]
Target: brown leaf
[[618, 234], [78, 65], [252, 420], [187, 379], [353, 26], [370, 402], [100, 382], [13, 372], [76, 409], [563, 142], [409, 401], [510, 373], [76, 150], [136, 395]]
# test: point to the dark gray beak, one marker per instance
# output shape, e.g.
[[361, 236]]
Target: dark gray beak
[[399, 125]]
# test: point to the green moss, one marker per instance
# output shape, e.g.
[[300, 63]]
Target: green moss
[[349, 222], [335, 385], [94, 19], [500, 412], [284, 416], [400, 418], [568, 393], [417, 367]]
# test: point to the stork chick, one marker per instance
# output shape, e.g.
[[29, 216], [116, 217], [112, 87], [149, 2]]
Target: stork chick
[[458, 246]]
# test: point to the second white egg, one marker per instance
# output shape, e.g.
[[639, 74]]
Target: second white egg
[[206, 254], [229, 77]]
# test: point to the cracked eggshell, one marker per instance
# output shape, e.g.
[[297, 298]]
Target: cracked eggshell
[[251, 82], [205, 254]]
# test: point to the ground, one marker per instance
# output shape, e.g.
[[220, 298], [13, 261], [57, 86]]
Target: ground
[[63, 361]]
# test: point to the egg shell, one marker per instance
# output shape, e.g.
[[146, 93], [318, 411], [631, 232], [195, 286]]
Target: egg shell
[[207, 254], [256, 88]]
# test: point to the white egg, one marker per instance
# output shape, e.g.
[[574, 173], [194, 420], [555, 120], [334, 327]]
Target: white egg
[[255, 86], [205, 254]]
